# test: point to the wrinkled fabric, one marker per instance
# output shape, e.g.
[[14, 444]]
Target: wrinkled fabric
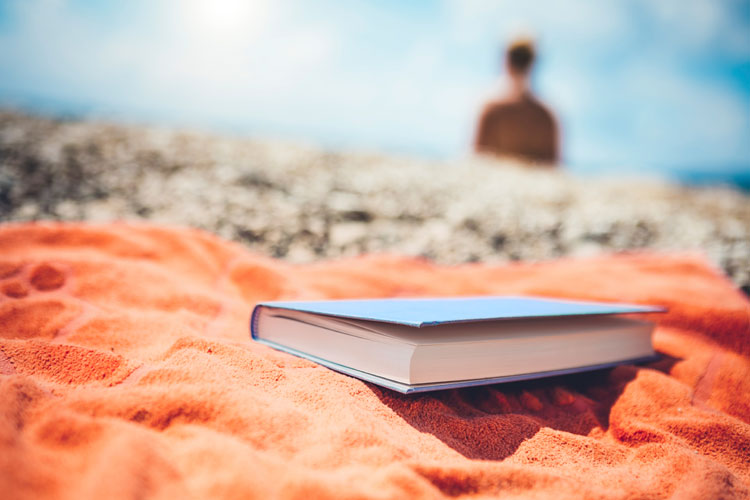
[[127, 371]]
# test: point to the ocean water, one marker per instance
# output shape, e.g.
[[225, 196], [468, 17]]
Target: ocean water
[[734, 176], [731, 176]]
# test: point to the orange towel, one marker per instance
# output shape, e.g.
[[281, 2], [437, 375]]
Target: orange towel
[[128, 372]]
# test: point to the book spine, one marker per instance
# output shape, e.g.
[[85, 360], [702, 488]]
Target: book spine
[[254, 321]]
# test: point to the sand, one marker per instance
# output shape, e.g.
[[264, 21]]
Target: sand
[[126, 371]]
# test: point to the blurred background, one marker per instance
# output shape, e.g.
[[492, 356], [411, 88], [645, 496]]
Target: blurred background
[[639, 86]]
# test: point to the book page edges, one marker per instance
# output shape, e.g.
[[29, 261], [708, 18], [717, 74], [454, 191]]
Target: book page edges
[[412, 389]]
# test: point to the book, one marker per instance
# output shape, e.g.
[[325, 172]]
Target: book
[[427, 344]]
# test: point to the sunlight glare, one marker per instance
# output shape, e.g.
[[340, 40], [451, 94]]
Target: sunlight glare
[[227, 20]]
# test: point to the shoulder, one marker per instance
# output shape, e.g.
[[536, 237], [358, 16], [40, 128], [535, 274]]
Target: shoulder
[[495, 107], [541, 109]]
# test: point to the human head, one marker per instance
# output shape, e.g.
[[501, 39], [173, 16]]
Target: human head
[[519, 56]]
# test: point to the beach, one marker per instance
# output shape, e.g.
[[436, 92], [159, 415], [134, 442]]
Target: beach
[[303, 203]]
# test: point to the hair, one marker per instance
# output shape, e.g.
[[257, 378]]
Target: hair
[[520, 55]]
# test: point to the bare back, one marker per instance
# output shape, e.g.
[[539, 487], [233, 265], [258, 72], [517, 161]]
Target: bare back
[[521, 128]]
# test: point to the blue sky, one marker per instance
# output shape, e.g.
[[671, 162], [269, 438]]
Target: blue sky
[[637, 84]]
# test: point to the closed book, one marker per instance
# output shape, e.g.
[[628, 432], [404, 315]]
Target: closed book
[[425, 344]]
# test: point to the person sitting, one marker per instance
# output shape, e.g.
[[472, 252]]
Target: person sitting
[[518, 124]]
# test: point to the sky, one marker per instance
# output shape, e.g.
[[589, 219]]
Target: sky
[[636, 84]]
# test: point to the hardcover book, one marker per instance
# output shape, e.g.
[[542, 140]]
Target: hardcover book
[[426, 344]]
